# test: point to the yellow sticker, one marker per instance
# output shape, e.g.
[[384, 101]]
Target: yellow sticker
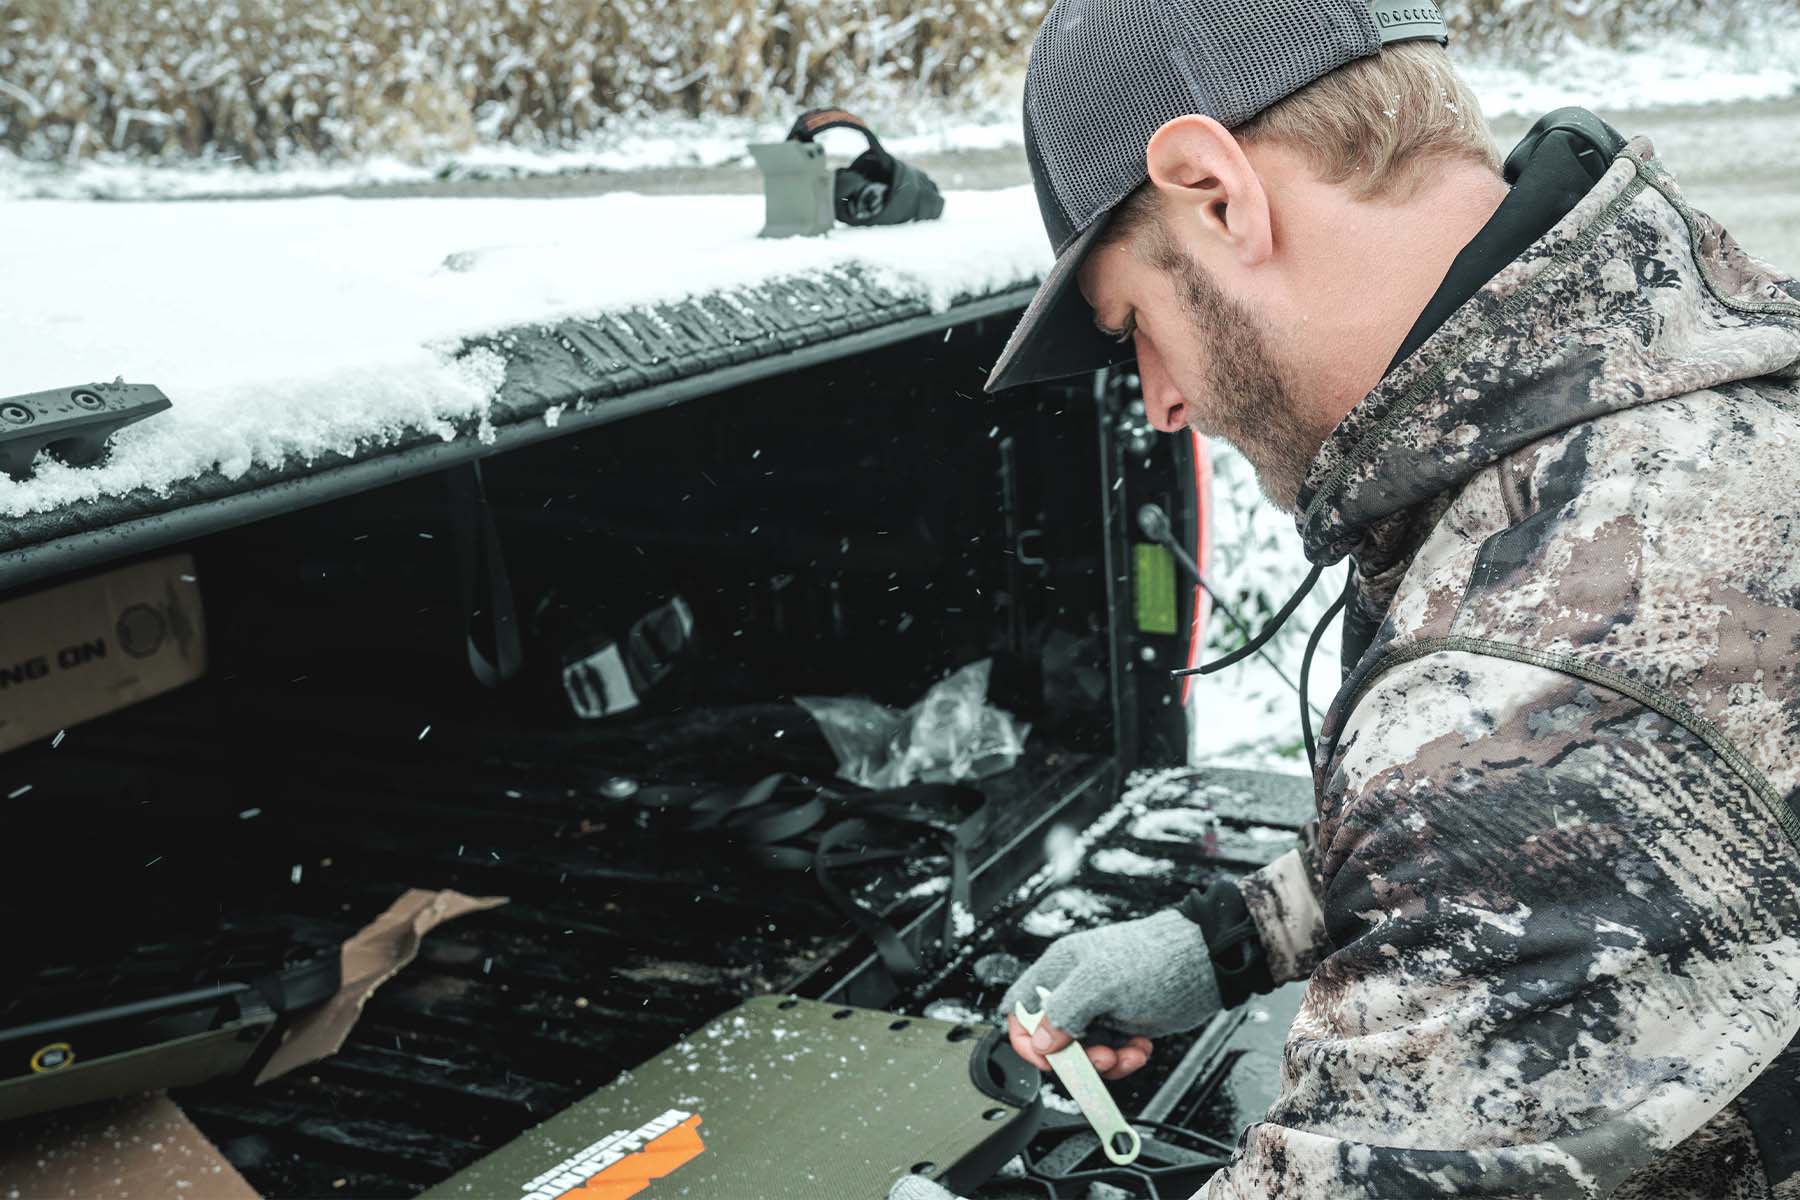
[[53, 1057]]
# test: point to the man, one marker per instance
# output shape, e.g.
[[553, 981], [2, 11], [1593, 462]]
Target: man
[[1549, 915]]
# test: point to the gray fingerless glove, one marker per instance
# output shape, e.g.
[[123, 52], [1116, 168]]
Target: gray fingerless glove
[[917, 1187], [1152, 977]]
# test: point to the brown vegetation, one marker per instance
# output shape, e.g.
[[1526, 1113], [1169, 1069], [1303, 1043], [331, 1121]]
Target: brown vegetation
[[263, 80]]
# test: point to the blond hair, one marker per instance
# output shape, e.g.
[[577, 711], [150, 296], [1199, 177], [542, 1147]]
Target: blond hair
[[1377, 126]]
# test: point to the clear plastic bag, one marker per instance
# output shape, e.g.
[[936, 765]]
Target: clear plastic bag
[[952, 734]]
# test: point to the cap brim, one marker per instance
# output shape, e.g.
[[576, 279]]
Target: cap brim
[[1057, 337]]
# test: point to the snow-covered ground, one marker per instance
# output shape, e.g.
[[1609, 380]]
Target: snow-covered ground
[[643, 144], [1667, 71], [296, 327]]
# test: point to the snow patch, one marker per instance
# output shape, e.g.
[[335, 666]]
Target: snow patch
[[1064, 911], [953, 1010], [936, 885], [1057, 1102], [1065, 851], [1188, 825], [1117, 860]]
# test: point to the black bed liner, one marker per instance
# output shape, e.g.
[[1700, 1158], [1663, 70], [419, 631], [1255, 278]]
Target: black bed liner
[[252, 819], [616, 941], [617, 938], [597, 371]]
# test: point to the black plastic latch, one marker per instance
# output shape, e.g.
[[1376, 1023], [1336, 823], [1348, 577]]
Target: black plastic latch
[[304, 985], [74, 424]]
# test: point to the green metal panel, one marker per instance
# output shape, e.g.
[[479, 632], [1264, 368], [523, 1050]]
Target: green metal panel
[[780, 1097]]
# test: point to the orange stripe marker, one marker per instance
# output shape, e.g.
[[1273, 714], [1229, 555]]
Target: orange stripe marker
[[661, 1156]]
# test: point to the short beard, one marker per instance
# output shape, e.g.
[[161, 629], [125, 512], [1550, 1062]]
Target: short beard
[[1250, 402]]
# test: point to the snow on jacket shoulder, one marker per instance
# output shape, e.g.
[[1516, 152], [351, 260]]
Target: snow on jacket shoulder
[[1557, 874]]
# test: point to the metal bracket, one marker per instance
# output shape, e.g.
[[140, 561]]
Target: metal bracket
[[1024, 556], [797, 189], [74, 423]]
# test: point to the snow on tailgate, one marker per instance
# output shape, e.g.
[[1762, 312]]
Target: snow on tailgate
[[288, 329]]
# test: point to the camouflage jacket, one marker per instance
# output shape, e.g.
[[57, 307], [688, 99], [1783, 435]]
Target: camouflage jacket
[[1551, 914]]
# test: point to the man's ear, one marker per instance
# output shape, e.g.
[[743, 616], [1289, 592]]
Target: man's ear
[[1209, 189]]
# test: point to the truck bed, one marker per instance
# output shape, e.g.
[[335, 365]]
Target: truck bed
[[560, 380], [617, 939]]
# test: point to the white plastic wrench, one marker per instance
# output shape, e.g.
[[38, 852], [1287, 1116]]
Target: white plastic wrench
[[1117, 1138]]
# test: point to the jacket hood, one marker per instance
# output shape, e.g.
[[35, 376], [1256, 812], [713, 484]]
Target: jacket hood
[[1631, 299]]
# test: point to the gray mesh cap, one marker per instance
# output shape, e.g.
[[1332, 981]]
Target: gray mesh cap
[[1105, 75]]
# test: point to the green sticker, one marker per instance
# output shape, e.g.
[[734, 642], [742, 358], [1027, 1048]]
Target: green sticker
[[1153, 582]]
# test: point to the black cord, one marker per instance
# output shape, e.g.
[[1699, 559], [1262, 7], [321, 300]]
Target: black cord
[[1156, 526], [1266, 636], [1220, 604], [1312, 644]]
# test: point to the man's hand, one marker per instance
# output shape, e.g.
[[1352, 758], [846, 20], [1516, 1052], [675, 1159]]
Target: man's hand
[[1145, 978], [1112, 1062]]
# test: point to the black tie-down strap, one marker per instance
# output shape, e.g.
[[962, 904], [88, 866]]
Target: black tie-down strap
[[766, 822], [290, 992], [484, 587]]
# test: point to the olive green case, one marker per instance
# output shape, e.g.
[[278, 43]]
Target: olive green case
[[781, 1098]]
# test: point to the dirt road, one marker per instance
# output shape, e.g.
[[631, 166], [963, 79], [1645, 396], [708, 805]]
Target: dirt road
[[1736, 161]]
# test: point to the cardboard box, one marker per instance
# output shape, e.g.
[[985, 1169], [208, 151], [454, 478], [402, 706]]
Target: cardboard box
[[127, 1149], [78, 651]]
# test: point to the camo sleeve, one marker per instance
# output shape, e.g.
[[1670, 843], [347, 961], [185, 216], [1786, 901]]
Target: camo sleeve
[[1561, 938], [1286, 911], [1263, 930]]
